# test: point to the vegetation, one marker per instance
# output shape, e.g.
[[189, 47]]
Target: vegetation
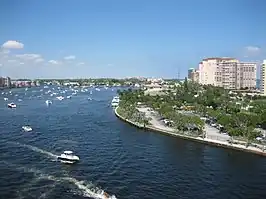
[[238, 114], [128, 107], [97, 82]]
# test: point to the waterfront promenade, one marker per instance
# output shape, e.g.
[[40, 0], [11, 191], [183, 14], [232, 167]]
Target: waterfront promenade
[[212, 135]]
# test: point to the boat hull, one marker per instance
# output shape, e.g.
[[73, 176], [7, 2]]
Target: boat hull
[[67, 160]]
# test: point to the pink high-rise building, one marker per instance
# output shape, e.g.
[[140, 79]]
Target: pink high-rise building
[[228, 73]]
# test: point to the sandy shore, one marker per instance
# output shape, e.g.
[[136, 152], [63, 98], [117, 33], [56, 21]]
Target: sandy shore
[[161, 128]]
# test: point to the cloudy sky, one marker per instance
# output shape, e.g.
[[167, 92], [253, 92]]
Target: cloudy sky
[[101, 38]]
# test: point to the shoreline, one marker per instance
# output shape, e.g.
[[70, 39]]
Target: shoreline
[[195, 139]]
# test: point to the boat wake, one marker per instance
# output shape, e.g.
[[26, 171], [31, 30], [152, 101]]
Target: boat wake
[[36, 149], [87, 189]]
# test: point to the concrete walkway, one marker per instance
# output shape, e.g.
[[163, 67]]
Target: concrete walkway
[[213, 136]]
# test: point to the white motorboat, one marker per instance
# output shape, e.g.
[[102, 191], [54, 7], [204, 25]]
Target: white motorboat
[[115, 101], [68, 157], [48, 102], [12, 105], [68, 97], [103, 195], [27, 128], [5, 98], [60, 98]]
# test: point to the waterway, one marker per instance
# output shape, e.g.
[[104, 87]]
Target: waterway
[[122, 160]]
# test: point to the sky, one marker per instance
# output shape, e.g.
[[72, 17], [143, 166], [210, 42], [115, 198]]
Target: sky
[[126, 38]]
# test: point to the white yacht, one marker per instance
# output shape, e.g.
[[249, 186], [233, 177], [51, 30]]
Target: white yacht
[[68, 157], [5, 98], [60, 98], [12, 105], [103, 195], [115, 101], [27, 128], [48, 102]]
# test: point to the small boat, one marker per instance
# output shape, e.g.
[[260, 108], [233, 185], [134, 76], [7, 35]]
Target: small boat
[[5, 98], [11, 105], [60, 98], [68, 97], [68, 157], [27, 128], [48, 102], [115, 101]]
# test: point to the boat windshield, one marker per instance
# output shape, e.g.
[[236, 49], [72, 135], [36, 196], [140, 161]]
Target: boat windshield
[[68, 152]]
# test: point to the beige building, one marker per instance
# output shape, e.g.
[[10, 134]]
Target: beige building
[[263, 78], [195, 76], [228, 73]]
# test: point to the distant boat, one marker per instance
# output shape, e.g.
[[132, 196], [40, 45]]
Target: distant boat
[[115, 101], [11, 105], [68, 97], [48, 102], [60, 98], [27, 128], [68, 157], [5, 98]]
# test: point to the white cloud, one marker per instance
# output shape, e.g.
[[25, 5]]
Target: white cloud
[[110, 64], [39, 60], [11, 60], [252, 49], [81, 63], [28, 56], [70, 57], [21, 63], [12, 45], [54, 62]]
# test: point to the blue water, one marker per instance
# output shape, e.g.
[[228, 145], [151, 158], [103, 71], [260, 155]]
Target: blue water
[[115, 157]]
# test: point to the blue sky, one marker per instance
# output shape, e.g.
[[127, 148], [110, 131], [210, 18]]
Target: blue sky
[[123, 38]]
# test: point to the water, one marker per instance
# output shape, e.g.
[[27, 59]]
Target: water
[[115, 157]]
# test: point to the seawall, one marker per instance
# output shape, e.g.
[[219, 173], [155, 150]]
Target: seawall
[[195, 139]]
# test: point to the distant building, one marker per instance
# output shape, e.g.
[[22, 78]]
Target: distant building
[[195, 76], [263, 78], [2, 82], [189, 74], [5, 82], [228, 73]]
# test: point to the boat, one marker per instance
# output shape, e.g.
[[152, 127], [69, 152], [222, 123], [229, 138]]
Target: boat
[[48, 102], [27, 128], [68, 157], [101, 194], [115, 101], [5, 98], [60, 98], [12, 105]]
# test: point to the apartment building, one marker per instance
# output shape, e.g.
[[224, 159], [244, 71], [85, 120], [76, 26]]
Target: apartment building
[[189, 74], [195, 76], [229, 73], [5, 82], [263, 78]]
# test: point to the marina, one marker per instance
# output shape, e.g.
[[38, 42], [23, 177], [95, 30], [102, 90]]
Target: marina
[[116, 160]]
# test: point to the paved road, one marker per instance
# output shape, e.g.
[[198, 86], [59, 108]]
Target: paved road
[[211, 132]]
